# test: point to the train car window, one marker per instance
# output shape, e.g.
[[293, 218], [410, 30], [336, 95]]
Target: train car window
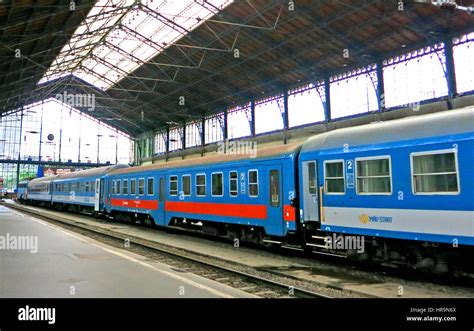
[[186, 184], [119, 187], [133, 186], [173, 185], [435, 173], [312, 177], [217, 182], [253, 183], [374, 175], [201, 185], [150, 186], [92, 186], [125, 186], [334, 177], [274, 188], [141, 186], [233, 183], [161, 194], [87, 186], [114, 187]]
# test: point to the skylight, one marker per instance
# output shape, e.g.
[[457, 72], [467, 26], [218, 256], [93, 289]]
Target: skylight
[[118, 36]]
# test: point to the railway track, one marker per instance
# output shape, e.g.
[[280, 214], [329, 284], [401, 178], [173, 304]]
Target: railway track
[[266, 286]]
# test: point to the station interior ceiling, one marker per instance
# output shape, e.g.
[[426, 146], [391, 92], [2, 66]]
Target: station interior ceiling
[[203, 59]]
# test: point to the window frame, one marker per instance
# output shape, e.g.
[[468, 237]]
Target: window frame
[[190, 185], [248, 183], [119, 187], [138, 187], [237, 185], [153, 186], [369, 158], [278, 171], [123, 187], [343, 176], [435, 152], [315, 177], [222, 182], [196, 184], [177, 185], [134, 185]]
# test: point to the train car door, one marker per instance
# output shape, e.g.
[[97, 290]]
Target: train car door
[[275, 209], [161, 199], [98, 195], [310, 191]]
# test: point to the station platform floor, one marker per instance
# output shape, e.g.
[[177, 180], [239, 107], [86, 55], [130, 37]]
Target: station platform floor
[[63, 264]]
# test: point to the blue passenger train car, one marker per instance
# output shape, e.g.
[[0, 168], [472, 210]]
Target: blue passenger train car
[[230, 195], [82, 189], [39, 190], [75, 191], [21, 191], [410, 179]]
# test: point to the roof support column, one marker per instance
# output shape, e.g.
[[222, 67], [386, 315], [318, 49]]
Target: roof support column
[[183, 138], [167, 142], [286, 123], [79, 140], [203, 134], [225, 129], [252, 117], [41, 131], [450, 72], [380, 86], [19, 150], [116, 146], [327, 97]]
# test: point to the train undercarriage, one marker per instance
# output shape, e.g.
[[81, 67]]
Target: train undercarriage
[[428, 257]]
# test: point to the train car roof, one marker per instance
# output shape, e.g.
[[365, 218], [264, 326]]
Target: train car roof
[[423, 126], [262, 153], [93, 172], [41, 180], [80, 174]]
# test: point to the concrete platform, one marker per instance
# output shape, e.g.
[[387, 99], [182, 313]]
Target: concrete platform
[[63, 264]]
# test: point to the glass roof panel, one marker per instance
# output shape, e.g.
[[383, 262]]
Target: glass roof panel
[[118, 36]]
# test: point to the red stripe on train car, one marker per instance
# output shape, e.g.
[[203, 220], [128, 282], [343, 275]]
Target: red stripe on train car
[[220, 209], [134, 203], [289, 213]]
